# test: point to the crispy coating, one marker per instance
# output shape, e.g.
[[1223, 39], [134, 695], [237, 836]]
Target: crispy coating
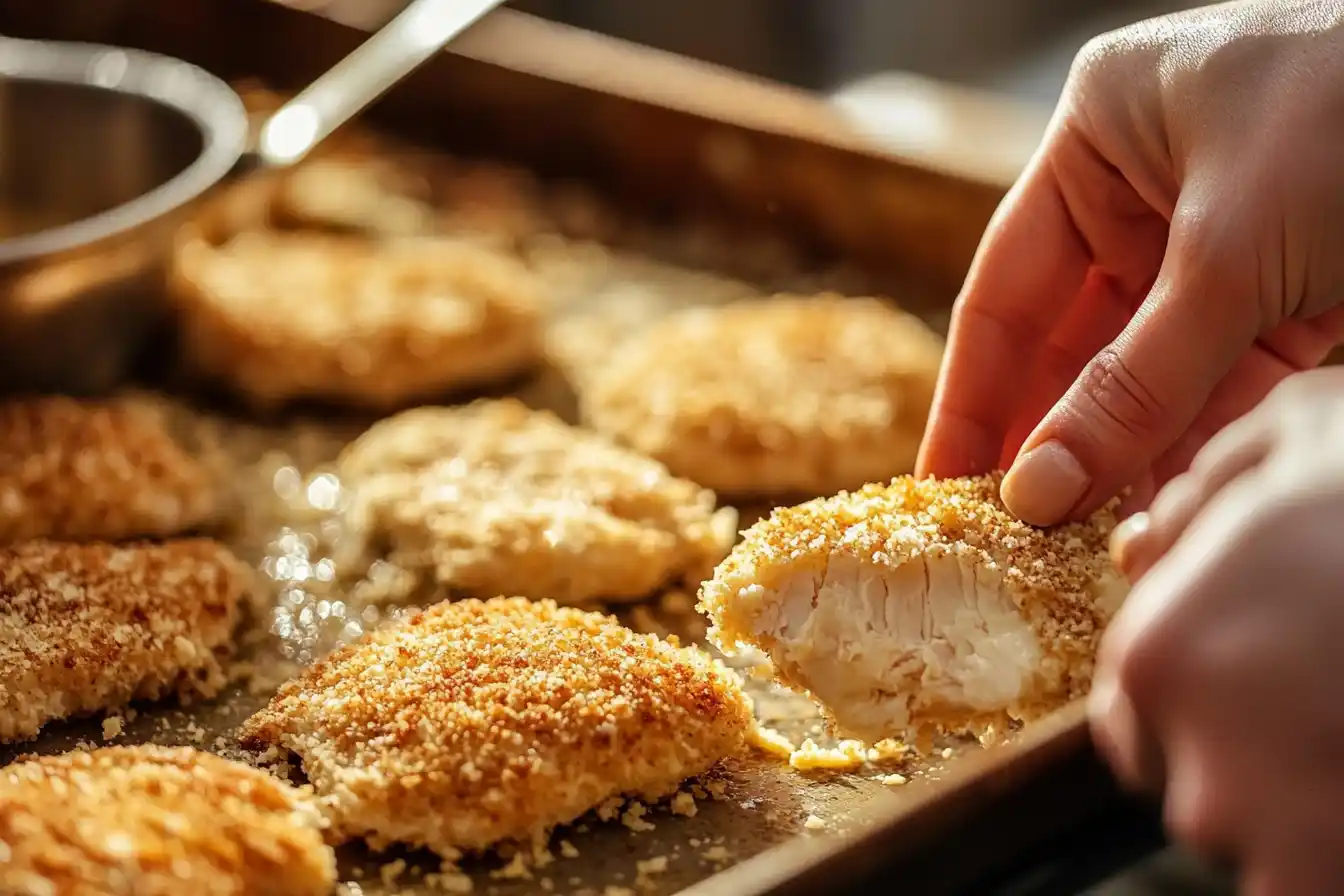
[[496, 498], [920, 605], [280, 316], [75, 469], [157, 821], [479, 722], [86, 627], [774, 396]]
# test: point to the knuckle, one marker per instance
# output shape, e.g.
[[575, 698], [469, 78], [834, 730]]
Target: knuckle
[[1108, 64], [1117, 399], [1095, 65]]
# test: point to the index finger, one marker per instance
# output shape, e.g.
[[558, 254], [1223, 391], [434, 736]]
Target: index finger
[[1031, 263]]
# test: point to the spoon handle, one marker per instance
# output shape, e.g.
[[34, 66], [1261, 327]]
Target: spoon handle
[[418, 32]]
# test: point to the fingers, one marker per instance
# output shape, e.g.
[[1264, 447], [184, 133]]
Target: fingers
[[1128, 746], [1135, 398], [1029, 267]]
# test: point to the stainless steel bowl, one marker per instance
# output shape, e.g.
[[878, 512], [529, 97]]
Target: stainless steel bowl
[[103, 152]]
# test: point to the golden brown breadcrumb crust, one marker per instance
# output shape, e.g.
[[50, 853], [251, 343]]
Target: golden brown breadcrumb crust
[[109, 470], [1055, 576], [479, 722], [781, 395], [496, 498], [279, 316], [156, 821], [85, 627]]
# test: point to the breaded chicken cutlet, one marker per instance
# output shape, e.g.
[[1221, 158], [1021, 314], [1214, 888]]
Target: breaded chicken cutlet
[[282, 316], [475, 723], [496, 498], [774, 396], [106, 470], [920, 606], [88, 627], [157, 821]]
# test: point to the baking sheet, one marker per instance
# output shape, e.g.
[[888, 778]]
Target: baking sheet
[[798, 200], [289, 528]]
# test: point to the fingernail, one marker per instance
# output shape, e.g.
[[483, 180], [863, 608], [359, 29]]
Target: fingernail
[[1044, 484], [1124, 538]]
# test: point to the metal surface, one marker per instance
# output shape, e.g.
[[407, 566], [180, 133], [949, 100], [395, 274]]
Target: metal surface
[[102, 153], [419, 31], [673, 142]]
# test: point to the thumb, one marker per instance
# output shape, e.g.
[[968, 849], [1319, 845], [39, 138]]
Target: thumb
[[1143, 390]]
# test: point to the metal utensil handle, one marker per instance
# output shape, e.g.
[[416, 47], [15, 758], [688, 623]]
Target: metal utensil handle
[[397, 49]]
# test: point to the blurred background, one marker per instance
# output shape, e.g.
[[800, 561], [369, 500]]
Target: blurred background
[[861, 51]]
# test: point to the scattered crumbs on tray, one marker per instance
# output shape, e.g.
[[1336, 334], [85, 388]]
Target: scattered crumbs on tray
[[716, 854], [633, 818], [112, 727], [683, 804], [518, 868], [771, 742], [892, 780]]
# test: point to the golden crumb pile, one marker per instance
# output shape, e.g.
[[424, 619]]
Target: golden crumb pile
[[86, 627], [782, 395], [919, 602], [495, 498], [479, 722], [110, 470], [155, 821], [279, 316]]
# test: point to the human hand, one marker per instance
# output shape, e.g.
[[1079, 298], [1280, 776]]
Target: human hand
[[1220, 676], [1171, 253]]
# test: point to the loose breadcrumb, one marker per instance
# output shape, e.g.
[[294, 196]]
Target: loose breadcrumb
[[154, 821], [279, 316], [772, 396], [684, 804], [893, 780], [847, 755], [96, 470], [633, 818], [496, 498], [655, 865], [89, 627], [568, 850], [920, 606], [112, 728], [771, 742], [814, 823], [716, 854], [479, 722]]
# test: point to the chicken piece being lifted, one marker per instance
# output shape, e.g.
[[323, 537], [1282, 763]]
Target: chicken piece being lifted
[[920, 606]]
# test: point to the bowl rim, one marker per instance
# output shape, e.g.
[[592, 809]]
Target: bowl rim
[[205, 100]]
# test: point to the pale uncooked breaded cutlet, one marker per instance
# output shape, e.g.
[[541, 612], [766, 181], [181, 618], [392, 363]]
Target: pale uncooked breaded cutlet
[[920, 606], [87, 627], [157, 821], [283, 316], [479, 722], [496, 498], [100, 470], [772, 396]]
